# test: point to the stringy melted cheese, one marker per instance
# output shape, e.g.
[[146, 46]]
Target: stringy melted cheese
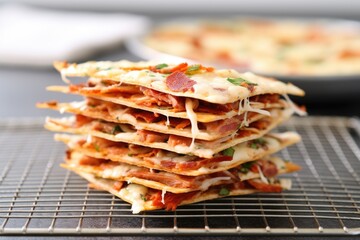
[[193, 119], [294, 107], [163, 192], [209, 182], [134, 193]]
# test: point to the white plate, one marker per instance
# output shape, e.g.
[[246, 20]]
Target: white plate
[[317, 87]]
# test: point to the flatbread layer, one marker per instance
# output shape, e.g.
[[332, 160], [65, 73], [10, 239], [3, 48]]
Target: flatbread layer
[[172, 182], [153, 122], [178, 144], [206, 83], [181, 164], [142, 198], [209, 114]]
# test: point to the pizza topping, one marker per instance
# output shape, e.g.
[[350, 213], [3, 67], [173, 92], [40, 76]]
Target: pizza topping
[[176, 102], [245, 167], [175, 140], [242, 82], [224, 191], [135, 193], [264, 187], [224, 126], [148, 117], [150, 137], [116, 129], [296, 109], [171, 200], [228, 152], [189, 105], [257, 143], [179, 82], [161, 66], [268, 168], [193, 69], [97, 148]]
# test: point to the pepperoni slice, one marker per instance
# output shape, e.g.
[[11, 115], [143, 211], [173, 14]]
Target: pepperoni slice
[[179, 82]]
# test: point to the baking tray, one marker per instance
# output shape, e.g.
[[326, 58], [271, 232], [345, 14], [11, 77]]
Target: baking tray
[[37, 197]]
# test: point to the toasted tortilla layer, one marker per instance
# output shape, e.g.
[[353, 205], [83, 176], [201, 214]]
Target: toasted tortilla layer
[[180, 164], [178, 144], [132, 101], [206, 83], [172, 182], [142, 198], [149, 121]]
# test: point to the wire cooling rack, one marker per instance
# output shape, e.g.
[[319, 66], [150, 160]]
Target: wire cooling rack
[[37, 197]]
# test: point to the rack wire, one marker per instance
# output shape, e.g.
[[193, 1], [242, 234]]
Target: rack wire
[[37, 197]]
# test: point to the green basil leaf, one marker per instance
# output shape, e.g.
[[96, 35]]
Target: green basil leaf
[[97, 148], [228, 152], [193, 68], [116, 129], [160, 66], [239, 81], [224, 192]]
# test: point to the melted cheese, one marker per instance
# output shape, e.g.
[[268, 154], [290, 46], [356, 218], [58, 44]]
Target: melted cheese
[[88, 139], [134, 193], [163, 192], [129, 136], [167, 123], [295, 108], [285, 183], [63, 74], [193, 119], [211, 181], [118, 171], [280, 164], [262, 177], [79, 105], [249, 108]]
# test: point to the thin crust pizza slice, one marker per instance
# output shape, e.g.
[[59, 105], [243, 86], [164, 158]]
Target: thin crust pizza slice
[[175, 106], [265, 168], [143, 198], [163, 160], [151, 121], [191, 81], [182, 145]]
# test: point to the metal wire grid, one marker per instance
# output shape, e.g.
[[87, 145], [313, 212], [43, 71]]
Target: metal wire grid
[[38, 197]]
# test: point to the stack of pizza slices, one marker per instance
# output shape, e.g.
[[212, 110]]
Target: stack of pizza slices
[[163, 135]]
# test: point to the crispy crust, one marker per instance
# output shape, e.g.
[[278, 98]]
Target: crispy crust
[[129, 119], [279, 142], [58, 125], [107, 185], [201, 117], [119, 72], [122, 172]]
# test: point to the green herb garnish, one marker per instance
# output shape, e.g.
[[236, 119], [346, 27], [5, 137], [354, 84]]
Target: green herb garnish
[[143, 197], [257, 143], [116, 129], [239, 81], [245, 167], [314, 60], [228, 152], [97, 148], [161, 66], [193, 68], [224, 192], [104, 69]]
